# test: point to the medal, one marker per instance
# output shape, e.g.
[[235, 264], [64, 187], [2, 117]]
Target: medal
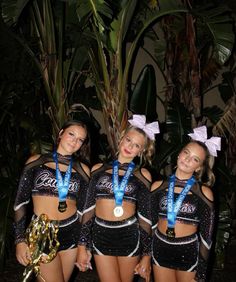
[[62, 184], [62, 206], [118, 211], [170, 232]]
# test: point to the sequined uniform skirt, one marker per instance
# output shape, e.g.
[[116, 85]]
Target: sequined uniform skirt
[[116, 238], [176, 253], [68, 233]]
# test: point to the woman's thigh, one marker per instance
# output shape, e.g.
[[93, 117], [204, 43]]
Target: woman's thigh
[[60, 268], [126, 267], [68, 258], [51, 272], [184, 276], [107, 268], [115, 269], [163, 274]]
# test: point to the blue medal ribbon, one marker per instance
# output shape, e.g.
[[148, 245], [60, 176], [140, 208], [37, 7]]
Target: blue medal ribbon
[[173, 208], [119, 189], [62, 184]]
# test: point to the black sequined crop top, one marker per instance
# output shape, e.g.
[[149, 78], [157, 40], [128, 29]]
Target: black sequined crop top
[[104, 187], [38, 179], [196, 209], [45, 182], [192, 206], [137, 192]]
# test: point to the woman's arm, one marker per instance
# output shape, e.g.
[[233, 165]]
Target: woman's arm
[[206, 228]]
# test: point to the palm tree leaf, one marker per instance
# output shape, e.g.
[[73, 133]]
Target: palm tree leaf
[[5, 206], [12, 10], [227, 123], [214, 113], [165, 153], [160, 52], [170, 4], [143, 99], [177, 125], [178, 122], [224, 41], [226, 88], [99, 10], [218, 25], [121, 23]]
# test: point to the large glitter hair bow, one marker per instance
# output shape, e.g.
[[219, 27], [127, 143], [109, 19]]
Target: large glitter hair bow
[[150, 129], [213, 144]]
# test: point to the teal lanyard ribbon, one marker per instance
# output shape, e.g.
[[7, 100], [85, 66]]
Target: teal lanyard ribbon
[[173, 208], [119, 188]]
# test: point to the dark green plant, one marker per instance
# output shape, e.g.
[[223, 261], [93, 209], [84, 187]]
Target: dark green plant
[[143, 96], [190, 49], [54, 46], [112, 52]]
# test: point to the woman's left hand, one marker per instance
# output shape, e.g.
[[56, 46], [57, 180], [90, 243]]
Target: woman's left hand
[[83, 259], [143, 268]]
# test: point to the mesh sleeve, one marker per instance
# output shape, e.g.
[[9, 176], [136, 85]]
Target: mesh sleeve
[[144, 217], [23, 198], [154, 208], [206, 226], [81, 199], [88, 215]]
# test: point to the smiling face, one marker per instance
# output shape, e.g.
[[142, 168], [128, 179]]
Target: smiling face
[[190, 160], [131, 145], [71, 139]]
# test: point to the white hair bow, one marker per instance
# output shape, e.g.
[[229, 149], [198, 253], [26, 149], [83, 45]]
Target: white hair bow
[[149, 128], [213, 144]]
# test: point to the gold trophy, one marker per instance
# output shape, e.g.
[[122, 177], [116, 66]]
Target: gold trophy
[[42, 242]]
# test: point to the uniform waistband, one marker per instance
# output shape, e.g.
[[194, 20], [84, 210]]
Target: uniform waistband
[[115, 224], [179, 240], [63, 222]]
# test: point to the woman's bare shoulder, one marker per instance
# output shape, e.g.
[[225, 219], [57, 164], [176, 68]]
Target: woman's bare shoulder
[[146, 174], [156, 185], [33, 158], [96, 166], [207, 192]]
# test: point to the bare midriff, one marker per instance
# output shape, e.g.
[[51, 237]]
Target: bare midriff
[[49, 206], [105, 208], [181, 229]]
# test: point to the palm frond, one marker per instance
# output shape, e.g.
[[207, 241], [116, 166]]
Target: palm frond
[[227, 124], [12, 10], [98, 10], [216, 23]]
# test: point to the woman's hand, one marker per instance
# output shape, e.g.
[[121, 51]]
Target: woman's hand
[[23, 253], [143, 268], [83, 259]]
